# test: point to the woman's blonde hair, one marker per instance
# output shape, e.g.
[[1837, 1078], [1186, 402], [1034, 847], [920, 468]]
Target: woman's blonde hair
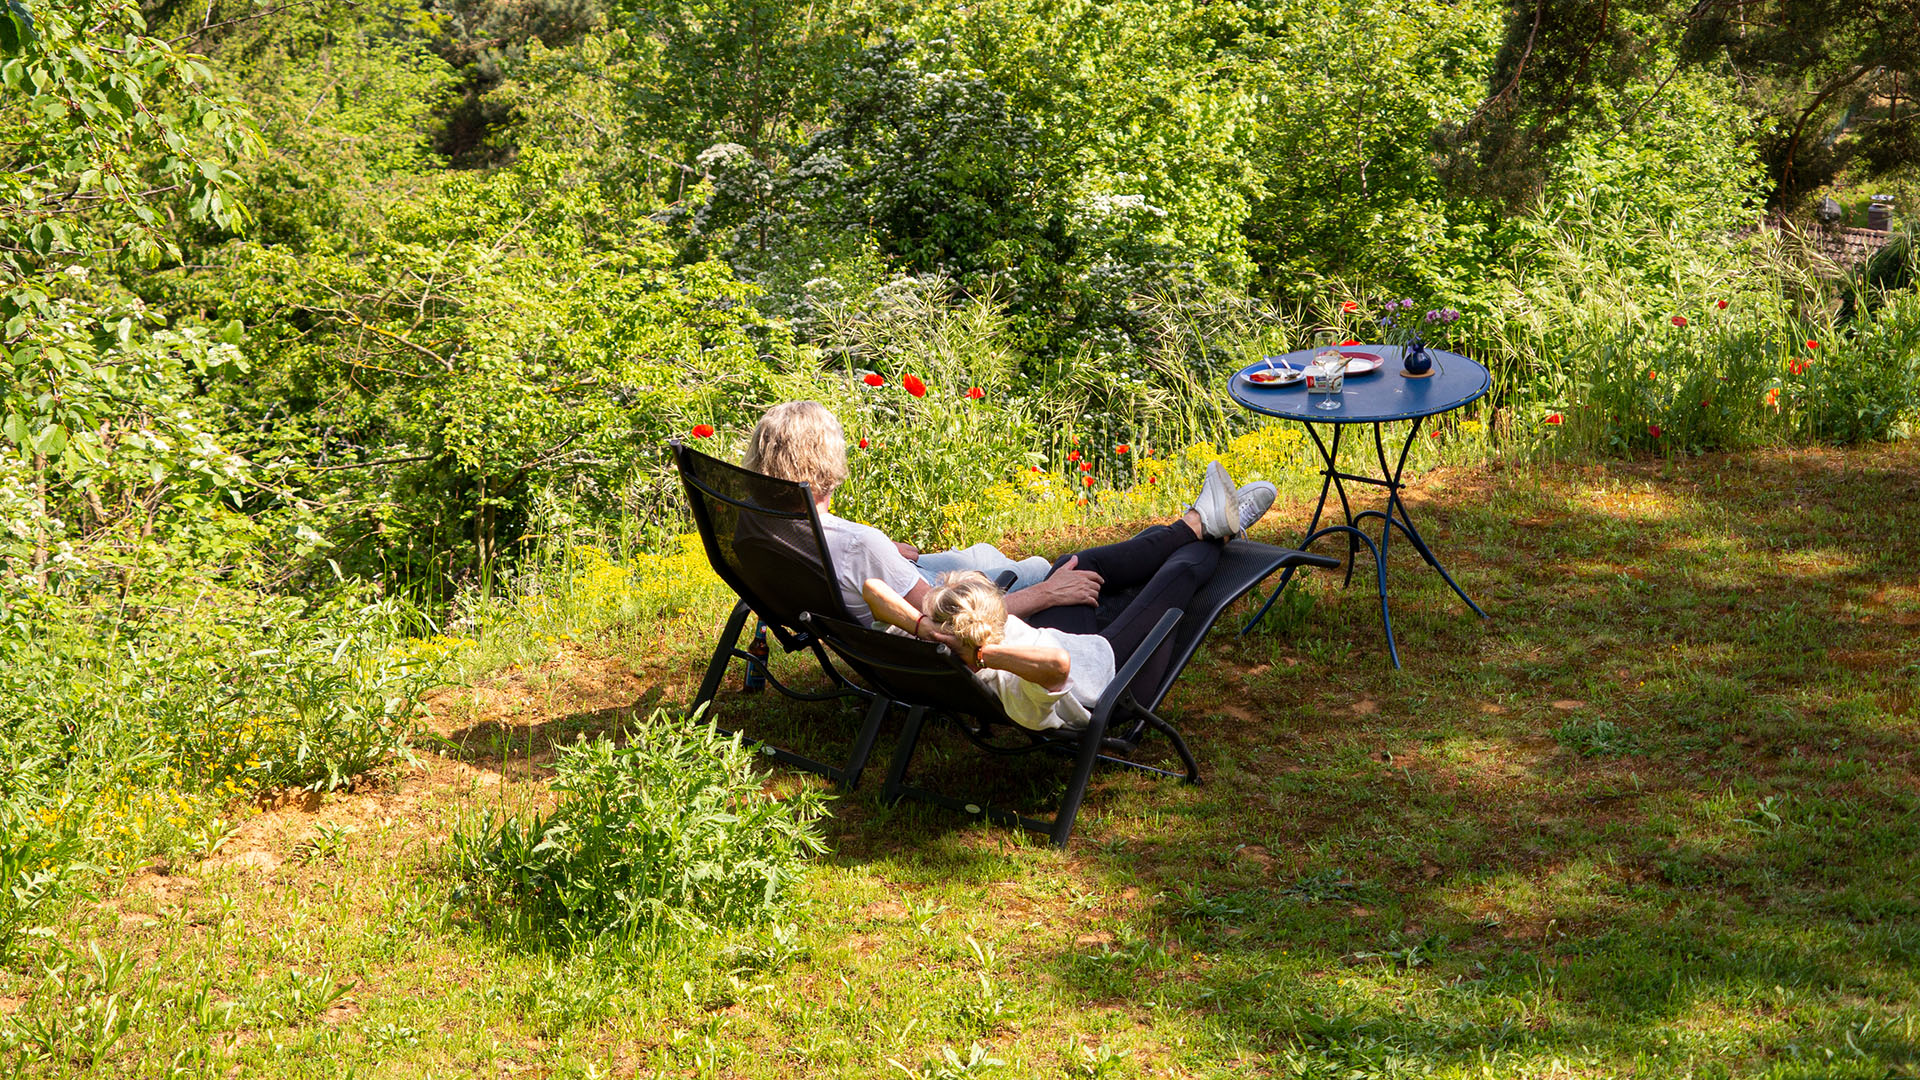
[[799, 441], [969, 606]]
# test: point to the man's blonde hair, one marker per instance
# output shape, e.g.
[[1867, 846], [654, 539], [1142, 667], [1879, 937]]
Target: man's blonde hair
[[799, 441], [969, 606]]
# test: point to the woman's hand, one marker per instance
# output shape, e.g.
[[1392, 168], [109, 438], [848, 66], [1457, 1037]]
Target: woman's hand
[[968, 655]]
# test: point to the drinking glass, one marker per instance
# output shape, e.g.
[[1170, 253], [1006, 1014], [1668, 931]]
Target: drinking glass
[[1329, 359]]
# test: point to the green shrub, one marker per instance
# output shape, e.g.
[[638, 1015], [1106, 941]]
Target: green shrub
[[124, 737], [669, 835]]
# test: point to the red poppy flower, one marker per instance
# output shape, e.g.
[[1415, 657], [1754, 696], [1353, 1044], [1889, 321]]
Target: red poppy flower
[[976, 393], [1350, 307], [1147, 450], [1653, 430], [1434, 434], [1122, 448], [1812, 344], [1086, 466], [1721, 304], [703, 431], [914, 386], [863, 444], [1033, 468], [1652, 374], [1073, 455], [1351, 341], [1153, 479], [873, 379], [1087, 480], [1773, 397], [1798, 367], [1083, 502], [1556, 418], [1679, 320]]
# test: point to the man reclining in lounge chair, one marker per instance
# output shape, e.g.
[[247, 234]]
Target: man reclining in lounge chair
[[801, 441]]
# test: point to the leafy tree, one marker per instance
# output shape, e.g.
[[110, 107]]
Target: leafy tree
[[1826, 75], [112, 141], [748, 72], [1343, 144], [346, 99], [503, 335]]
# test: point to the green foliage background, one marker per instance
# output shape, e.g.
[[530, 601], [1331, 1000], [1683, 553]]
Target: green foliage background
[[316, 323]]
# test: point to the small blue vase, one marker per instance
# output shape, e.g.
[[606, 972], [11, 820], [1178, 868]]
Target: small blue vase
[[1414, 359]]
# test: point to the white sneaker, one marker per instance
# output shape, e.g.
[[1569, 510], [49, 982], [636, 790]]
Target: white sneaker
[[1253, 502], [1216, 504]]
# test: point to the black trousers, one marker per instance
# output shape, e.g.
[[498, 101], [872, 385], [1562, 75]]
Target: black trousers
[[1166, 563]]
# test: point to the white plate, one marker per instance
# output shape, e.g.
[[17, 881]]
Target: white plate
[[1361, 363], [1280, 377]]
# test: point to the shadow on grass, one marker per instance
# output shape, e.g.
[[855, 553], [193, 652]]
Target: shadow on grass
[[1659, 814], [1662, 810], [1664, 805]]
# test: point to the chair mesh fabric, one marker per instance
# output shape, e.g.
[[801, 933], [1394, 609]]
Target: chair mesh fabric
[[1243, 565], [763, 539], [910, 671]]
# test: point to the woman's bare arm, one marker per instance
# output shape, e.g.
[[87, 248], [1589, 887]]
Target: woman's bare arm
[[1043, 664], [889, 606]]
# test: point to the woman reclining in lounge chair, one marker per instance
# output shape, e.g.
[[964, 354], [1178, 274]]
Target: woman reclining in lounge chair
[[1050, 668]]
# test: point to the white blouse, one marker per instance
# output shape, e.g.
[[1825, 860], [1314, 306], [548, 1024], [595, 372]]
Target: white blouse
[[1037, 708]]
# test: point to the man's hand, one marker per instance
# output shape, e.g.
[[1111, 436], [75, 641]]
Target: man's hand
[[1066, 588], [908, 551]]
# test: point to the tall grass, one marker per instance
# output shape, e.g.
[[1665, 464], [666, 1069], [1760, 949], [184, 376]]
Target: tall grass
[[125, 736], [1627, 337]]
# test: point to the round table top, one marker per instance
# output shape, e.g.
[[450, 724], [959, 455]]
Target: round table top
[[1371, 398]]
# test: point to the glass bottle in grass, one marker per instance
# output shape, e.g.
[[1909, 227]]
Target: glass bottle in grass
[[1327, 372], [757, 654]]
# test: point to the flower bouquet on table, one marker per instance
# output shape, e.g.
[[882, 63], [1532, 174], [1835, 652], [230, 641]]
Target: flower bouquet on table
[[1400, 326]]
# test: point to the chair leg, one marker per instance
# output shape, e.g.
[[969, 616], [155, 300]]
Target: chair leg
[[863, 746], [1076, 789], [902, 753], [1179, 746], [723, 652]]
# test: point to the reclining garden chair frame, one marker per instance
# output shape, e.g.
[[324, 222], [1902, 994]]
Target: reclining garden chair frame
[[926, 678], [790, 572]]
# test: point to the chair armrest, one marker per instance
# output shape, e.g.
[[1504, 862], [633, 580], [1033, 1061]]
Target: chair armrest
[[1125, 676]]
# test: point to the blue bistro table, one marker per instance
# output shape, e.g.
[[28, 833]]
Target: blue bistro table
[[1378, 398]]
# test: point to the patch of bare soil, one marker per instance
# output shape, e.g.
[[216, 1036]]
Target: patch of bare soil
[[513, 718]]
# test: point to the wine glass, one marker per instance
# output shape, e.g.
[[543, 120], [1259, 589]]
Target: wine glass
[[1331, 361]]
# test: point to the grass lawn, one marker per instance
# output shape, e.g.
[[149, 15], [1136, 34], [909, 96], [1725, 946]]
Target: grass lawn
[[1658, 816]]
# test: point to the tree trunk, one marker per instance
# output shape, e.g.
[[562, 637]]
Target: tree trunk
[[40, 519], [483, 534]]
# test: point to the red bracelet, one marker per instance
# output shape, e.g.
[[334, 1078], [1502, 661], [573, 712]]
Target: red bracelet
[[916, 627]]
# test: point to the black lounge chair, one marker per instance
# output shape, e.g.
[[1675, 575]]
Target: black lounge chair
[[763, 538], [927, 678]]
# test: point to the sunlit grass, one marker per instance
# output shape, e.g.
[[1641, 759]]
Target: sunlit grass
[[1657, 816]]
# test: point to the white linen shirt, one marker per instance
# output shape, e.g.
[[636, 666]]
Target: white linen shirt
[[1037, 708]]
